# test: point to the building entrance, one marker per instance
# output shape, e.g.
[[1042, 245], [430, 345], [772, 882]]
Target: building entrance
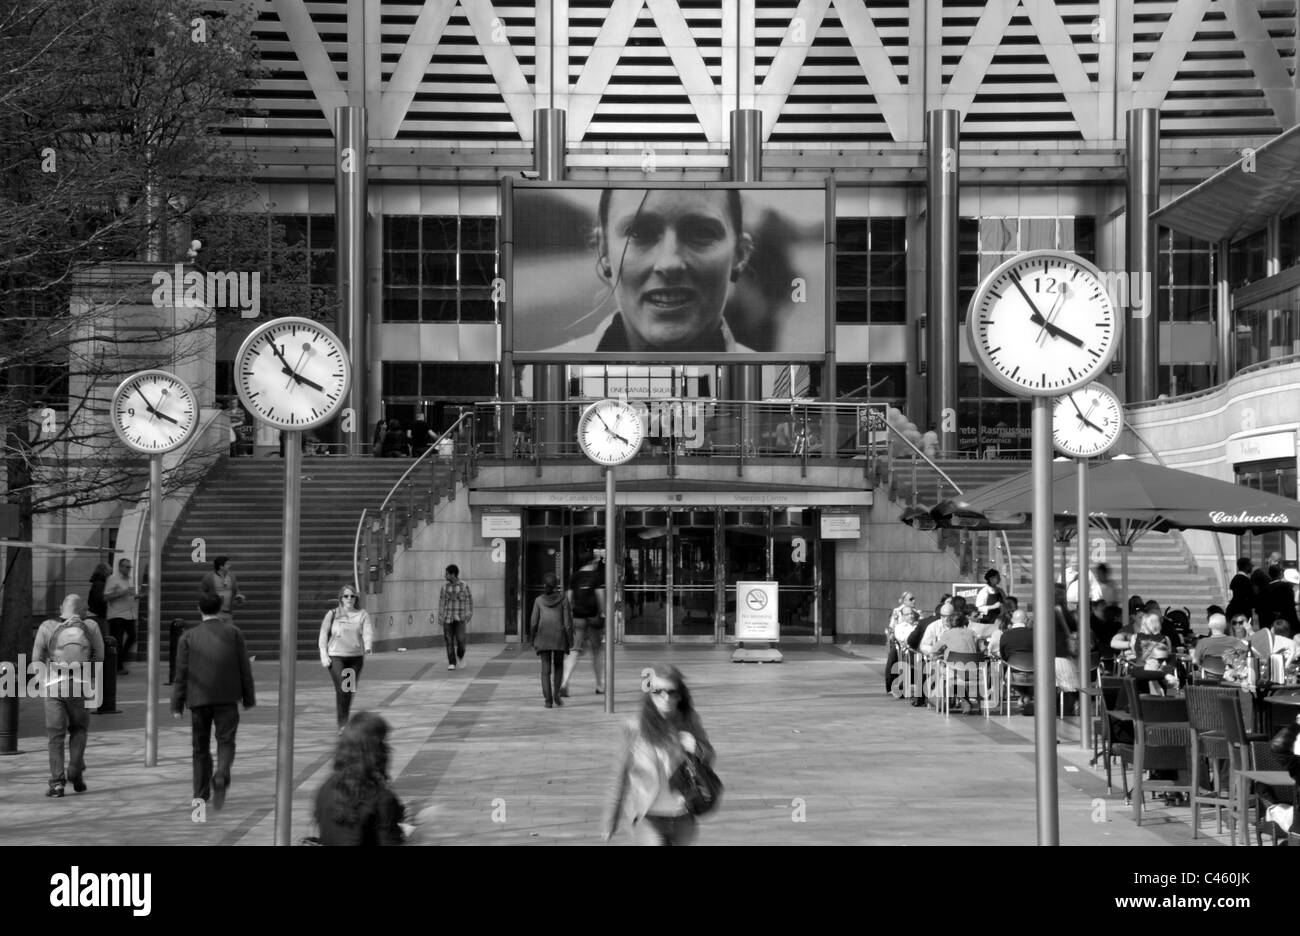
[[678, 568]]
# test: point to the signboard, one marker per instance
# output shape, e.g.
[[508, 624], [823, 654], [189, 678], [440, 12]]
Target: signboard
[[841, 526], [1264, 447], [750, 274], [967, 590], [756, 607], [506, 525], [871, 425]]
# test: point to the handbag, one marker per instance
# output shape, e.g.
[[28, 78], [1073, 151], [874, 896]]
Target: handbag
[[698, 784]]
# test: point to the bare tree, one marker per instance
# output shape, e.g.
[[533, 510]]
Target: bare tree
[[111, 141]]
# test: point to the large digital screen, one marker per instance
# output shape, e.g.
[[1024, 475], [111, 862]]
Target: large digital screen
[[665, 272]]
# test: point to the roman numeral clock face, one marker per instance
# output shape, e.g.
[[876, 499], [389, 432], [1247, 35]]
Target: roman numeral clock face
[[293, 373], [154, 412], [1043, 324]]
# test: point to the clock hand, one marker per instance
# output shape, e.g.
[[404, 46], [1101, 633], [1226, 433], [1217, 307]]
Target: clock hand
[[1057, 303], [1037, 317], [1083, 418], [303, 380], [1055, 330]]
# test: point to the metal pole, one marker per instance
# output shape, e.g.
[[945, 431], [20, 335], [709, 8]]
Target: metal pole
[[155, 611], [1085, 616], [288, 639], [1044, 625], [611, 605], [1123, 581]]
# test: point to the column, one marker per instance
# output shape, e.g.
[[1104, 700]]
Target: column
[[350, 211], [745, 162], [941, 312], [1142, 185], [549, 391]]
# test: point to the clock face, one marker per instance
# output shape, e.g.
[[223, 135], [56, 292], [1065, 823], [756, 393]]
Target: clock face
[[610, 432], [1043, 324], [293, 373], [154, 412], [1087, 422]]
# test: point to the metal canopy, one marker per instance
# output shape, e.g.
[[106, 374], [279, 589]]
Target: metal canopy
[[1240, 199]]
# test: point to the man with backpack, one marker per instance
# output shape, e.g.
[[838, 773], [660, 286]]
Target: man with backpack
[[68, 646], [587, 599]]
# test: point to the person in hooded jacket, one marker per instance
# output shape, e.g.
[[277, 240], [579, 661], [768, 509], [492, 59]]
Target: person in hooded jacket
[[550, 630]]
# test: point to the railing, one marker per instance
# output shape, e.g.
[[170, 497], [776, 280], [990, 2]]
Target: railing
[[679, 430], [451, 453]]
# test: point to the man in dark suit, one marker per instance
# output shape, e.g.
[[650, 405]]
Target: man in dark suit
[[213, 675]]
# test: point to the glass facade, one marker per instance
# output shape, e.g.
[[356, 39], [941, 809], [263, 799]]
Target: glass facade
[[439, 269]]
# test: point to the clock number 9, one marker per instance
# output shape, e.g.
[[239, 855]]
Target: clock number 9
[[130, 411]]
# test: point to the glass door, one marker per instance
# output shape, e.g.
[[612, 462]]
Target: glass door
[[694, 581], [793, 565], [646, 575], [744, 534]]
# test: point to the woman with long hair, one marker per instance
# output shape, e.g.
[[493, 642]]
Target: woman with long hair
[[655, 745], [346, 634], [356, 805]]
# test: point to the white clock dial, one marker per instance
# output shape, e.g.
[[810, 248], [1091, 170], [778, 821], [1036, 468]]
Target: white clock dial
[[293, 373], [154, 412], [610, 432], [1043, 324], [1087, 422]]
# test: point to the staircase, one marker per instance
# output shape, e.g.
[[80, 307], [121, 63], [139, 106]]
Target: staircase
[[238, 511], [1157, 567]]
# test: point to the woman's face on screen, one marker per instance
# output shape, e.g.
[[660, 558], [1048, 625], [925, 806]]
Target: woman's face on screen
[[671, 263]]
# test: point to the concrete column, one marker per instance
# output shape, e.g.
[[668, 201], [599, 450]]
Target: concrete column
[[1227, 323], [745, 161], [942, 315], [1142, 194], [549, 390], [350, 323]]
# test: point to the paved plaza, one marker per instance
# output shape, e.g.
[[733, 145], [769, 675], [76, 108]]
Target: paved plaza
[[812, 751]]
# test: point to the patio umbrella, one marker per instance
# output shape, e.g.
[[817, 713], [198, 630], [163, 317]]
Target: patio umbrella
[[1128, 498]]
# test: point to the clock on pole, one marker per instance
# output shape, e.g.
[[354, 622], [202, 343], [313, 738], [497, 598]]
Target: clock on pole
[[1041, 325], [1087, 422], [294, 374], [154, 412], [610, 433]]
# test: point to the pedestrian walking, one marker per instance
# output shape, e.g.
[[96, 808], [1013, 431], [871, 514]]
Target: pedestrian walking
[[123, 606], [221, 581], [96, 603], [213, 675], [455, 609], [356, 805], [586, 597], [68, 647], [550, 631], [346, 635], [657, 744]]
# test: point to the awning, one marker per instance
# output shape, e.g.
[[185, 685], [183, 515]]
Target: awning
[[1239, 200]]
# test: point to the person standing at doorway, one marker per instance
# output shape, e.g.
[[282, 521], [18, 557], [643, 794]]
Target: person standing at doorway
[[222, 583], [587, 598], [123, 606], [455, 609]]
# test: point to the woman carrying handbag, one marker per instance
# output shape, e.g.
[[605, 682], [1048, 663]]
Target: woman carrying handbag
[[346, 635], [665, 776]]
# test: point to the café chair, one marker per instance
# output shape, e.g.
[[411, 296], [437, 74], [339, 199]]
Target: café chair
[[1116, 727], [1246, 758], [1018, 670], [1209, 742], [956, 670], [1161, 741]]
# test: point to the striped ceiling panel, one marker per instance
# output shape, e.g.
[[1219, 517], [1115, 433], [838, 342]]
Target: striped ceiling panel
[[284, 100], [1217, 89], [1020, 96], [831, 100], [459, 98], [645, 100]]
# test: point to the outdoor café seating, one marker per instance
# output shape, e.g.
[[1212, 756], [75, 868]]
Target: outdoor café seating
[[1160, 743], [1249, 763], [1209, 744]]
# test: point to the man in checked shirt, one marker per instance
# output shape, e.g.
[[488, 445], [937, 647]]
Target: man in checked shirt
[[455, 608]]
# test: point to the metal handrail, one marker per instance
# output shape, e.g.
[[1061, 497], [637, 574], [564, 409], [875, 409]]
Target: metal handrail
[[432, 450]]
